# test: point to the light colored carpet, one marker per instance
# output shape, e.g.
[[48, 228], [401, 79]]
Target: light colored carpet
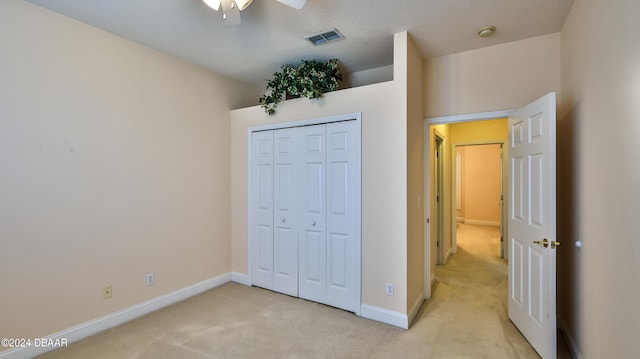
[[466, 318]]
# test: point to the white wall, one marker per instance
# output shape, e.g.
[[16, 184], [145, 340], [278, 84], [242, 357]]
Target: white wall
[[598, 177], [114, 162], [499, 77]]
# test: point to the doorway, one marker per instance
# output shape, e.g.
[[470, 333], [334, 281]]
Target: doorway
[[442, 135], [530, 135], [478, 195]]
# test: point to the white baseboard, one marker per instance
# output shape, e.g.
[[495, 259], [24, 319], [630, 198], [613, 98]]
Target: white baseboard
[[573, 346], [384, 315], [81, 331], [84, 330], [415, 308], [447, 255], [459, 219], [240, 278], [478, 222]]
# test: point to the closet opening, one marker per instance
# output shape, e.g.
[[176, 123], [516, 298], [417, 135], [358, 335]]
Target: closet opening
[[305, 209]]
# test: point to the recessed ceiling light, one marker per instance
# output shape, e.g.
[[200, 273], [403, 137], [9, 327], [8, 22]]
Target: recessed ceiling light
[[487, 31]]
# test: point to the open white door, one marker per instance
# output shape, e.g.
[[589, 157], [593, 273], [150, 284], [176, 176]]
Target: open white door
[[532, 223]]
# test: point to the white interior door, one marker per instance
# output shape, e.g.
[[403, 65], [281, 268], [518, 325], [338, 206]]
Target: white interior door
[[262, 209], [312, 203], [532, 223], [343, 215], [285, 236]]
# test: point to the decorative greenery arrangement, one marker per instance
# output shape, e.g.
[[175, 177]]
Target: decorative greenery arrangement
[[310, 79]]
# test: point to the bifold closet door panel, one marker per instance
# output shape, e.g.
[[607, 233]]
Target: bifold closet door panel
[[285, 250], [262, 209], [312, 205], [343, 214]]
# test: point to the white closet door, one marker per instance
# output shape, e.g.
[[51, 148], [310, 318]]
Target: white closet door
[[330, 222], [343, 215], [305, 209], [285, 234], [312, 204], [262, 209]]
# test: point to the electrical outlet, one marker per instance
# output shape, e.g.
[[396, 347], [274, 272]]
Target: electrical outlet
[[107, 292], [389, 288], [151, 278]]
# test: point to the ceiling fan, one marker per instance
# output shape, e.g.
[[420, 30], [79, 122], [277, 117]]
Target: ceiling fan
[[231, 8]]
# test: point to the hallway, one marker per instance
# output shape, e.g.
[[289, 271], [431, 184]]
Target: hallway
[[469, 302]]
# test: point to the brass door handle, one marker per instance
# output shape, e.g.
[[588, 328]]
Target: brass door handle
[[545, 242]]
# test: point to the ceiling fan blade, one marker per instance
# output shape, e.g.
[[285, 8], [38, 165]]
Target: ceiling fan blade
[[296, 4], [214, 4], [230, 13], [243, 4]]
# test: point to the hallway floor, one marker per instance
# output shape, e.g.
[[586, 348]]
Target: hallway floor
[[470, 300], [465, 318]]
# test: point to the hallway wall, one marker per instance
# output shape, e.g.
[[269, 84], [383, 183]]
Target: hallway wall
[[493, 78], [480, 182], [598, 176]]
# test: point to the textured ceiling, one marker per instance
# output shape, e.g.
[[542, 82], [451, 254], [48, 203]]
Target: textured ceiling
[[272, 34]]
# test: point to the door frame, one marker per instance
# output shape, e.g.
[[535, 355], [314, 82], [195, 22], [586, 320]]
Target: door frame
[[441, 256], [429, 274], [356, 116], [503, 193]]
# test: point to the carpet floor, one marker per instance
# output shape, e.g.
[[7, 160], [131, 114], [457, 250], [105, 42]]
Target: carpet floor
[[465, 318]]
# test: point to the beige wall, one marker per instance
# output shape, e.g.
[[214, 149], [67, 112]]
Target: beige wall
[[480, 184], [415, 177], [500, 77], [598, 176], [384, 176], [114, 162]]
